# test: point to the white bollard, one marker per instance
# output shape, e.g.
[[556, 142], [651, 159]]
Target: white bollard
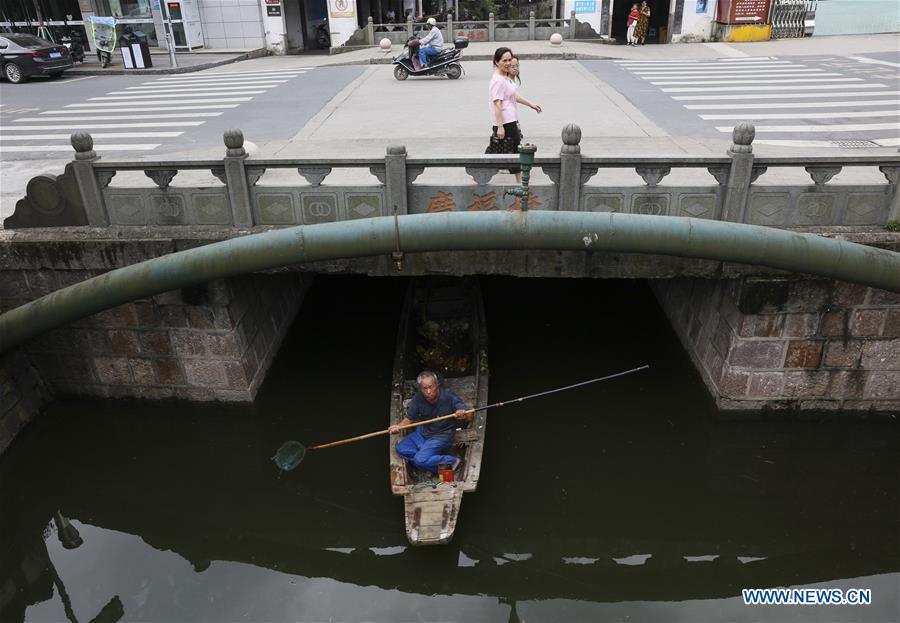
[[385, 45], [556, 39]]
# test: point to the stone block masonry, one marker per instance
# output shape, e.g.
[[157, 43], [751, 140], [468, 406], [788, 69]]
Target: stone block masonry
[[212, 342], [22, 395], [776, 343]]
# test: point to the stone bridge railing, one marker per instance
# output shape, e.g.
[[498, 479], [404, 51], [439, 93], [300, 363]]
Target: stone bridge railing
[[83, 195]]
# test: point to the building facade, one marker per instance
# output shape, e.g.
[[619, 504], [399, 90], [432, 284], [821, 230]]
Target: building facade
[[290, 26]]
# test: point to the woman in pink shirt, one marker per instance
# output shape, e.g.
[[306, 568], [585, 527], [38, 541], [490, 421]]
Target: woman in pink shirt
[[504, 110]]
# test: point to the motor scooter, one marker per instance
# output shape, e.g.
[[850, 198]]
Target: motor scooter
[[103, 30], [75, 45], [446, 63]]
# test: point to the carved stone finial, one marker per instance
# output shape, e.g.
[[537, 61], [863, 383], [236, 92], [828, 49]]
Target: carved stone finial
[[571, 134], [571, 137], [742, 137], [396, 150], [83, 143], [234, 142]]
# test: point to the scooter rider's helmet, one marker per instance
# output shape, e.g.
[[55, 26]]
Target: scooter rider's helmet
[[431, 21]]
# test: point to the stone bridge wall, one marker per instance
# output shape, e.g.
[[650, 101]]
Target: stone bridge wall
[[774, 343], [23, 393], [209, 342]]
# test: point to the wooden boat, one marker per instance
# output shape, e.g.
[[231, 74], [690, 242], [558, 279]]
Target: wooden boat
[[442, 329]]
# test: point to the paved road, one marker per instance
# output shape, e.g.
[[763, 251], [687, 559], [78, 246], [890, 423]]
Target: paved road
[[801, 102], [170, 115], [623, 106]]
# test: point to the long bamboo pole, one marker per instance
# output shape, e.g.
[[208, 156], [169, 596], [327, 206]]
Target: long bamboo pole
[[341, 442]]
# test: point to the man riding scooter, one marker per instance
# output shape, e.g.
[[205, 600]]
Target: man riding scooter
[[431, 44]]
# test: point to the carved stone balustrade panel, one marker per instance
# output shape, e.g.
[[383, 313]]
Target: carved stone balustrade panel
[[162, 177], [314, 175], [822, 175]]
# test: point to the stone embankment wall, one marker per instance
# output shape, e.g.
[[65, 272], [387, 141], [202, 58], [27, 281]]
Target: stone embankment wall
[[209, 342], [790, 343], [22, 395]]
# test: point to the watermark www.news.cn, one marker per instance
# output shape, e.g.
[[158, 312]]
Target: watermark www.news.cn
[[806, 596]]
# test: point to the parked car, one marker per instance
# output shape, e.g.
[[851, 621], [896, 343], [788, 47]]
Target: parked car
[[23, 56]]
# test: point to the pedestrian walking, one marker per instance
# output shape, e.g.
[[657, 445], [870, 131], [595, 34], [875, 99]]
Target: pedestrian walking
[[505, 133], [633, 17], [643, 24]]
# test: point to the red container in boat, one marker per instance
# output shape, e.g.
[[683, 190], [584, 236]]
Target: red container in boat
[[445, 472]]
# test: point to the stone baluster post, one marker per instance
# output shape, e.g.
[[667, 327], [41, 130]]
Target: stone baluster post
[[370, 31], [490, 26], [892, 175], [409, 26], [531, 25], [88, 187], [737, 189], [450, 26], [573, 25], [236, 183], [569, 197], [395, 179]]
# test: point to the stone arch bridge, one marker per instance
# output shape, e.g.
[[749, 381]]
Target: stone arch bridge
[[784, 294]]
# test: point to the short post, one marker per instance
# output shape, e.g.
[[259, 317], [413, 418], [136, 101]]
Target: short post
[[490, 26], [450, 26], [236, 179], [569, 196], [88, 186], [370, 31], [395, 179], [737, 189], [170, 44], [531, 25], [526, 159], [409, 26], [573, 25]]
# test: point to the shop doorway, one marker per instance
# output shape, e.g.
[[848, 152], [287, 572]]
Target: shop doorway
[[659, 21], [306, 22]]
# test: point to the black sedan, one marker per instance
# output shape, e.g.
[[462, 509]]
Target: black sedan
[[23, 56]]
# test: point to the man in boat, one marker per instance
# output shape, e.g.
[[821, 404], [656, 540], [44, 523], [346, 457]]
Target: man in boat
[[426, 446]]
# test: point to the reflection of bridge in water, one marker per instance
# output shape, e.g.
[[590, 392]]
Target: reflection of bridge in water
[[177, 493]]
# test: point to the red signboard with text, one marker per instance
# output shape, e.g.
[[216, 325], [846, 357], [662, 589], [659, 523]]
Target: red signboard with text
[[742, 11]]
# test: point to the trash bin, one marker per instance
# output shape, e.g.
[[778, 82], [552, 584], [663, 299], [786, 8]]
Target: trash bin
[[135, 51]]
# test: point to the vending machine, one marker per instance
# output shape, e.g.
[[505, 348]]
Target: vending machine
[[182, 19]]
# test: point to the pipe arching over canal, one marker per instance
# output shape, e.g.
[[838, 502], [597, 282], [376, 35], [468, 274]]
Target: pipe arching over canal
[[469, 231]]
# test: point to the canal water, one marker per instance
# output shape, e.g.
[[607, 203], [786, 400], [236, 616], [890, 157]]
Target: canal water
[[620, 501]]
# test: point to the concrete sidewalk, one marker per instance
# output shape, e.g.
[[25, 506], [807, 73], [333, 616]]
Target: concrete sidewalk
[[588, 49], [187, 62]]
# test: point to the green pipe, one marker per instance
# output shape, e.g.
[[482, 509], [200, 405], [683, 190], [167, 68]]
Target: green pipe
[[551, 230]]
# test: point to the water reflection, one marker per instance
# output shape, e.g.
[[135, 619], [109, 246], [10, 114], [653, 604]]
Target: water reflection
[[627, 500]]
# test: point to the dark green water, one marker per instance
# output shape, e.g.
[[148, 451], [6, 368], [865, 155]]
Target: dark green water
[[620, 501]]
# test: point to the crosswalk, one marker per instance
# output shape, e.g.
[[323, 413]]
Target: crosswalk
[[793, 103], [141, 118]]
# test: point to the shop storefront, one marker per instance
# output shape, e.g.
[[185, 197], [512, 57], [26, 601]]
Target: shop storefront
[[670, 20]]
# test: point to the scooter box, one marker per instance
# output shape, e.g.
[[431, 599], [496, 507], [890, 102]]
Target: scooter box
[[460, 44]]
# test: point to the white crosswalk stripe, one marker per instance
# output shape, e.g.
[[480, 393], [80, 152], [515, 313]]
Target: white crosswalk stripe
[[50, 137], [122, 117], [119, 98], [142, 108], [164, 108], [810, 100], [162, 102], [68, 148]]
